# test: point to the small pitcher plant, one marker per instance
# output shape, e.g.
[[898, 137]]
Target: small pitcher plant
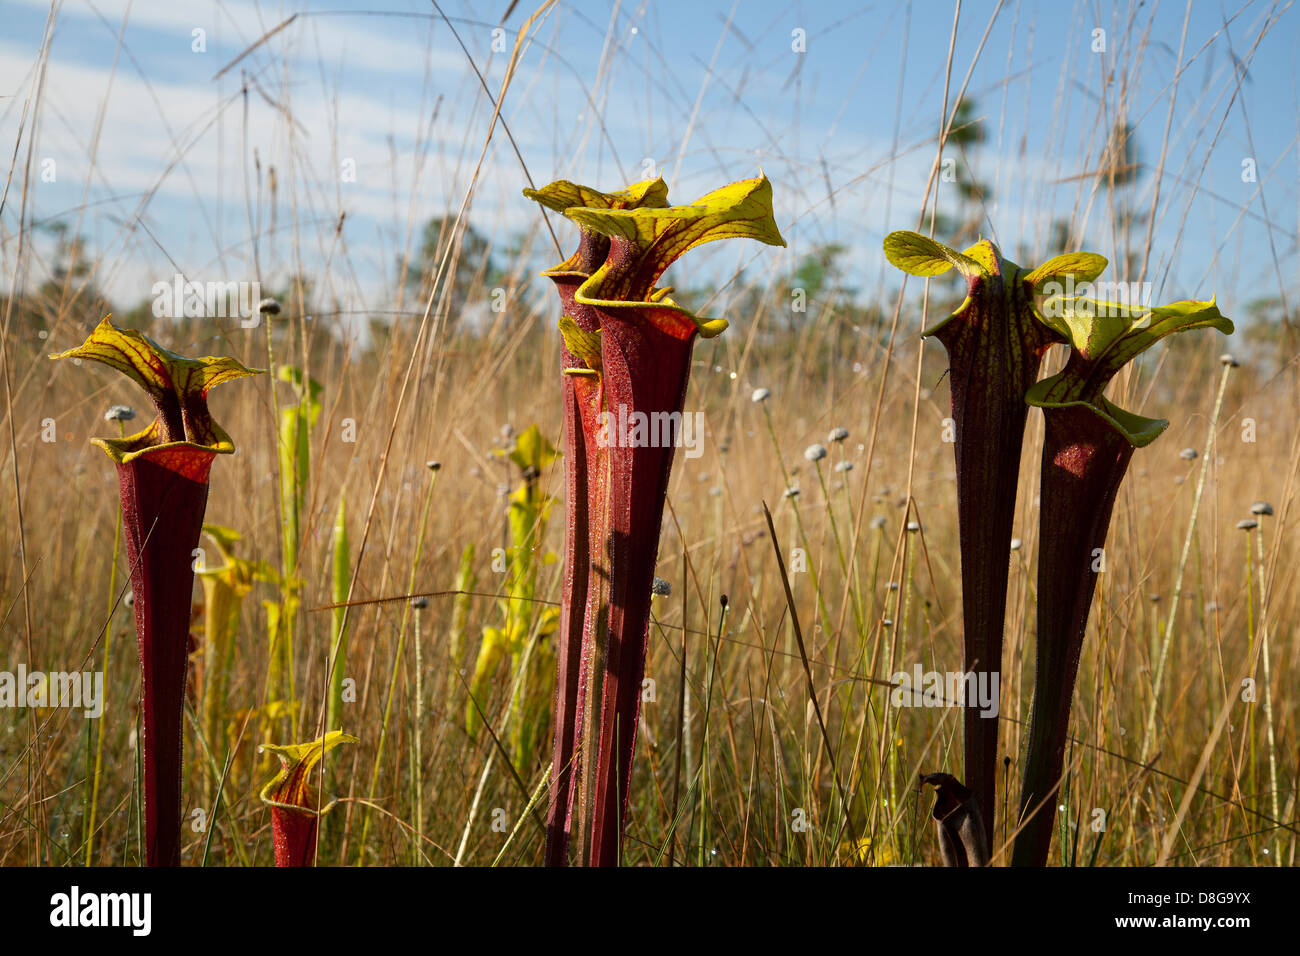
[[163, 482], [627, 350], [297, 419], [295, 807]]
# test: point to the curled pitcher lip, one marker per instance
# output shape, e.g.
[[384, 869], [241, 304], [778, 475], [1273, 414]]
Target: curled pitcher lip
[[295, 808]]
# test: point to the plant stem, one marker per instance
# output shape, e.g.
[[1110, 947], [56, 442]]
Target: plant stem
[[417, 762], [108, 645], [1268, 683]]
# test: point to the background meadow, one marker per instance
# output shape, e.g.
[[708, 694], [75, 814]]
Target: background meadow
[[354, 165]]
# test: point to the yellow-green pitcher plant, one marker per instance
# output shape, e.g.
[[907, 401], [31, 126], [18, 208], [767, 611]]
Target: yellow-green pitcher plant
[[225, 586], [521, 624]]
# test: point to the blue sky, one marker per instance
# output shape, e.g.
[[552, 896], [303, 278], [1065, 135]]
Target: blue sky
[[700, 92]]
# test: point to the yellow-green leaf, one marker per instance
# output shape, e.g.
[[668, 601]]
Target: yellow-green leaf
[[562, 194], [235, 572], [584, 346], [157, 370], [1166, 320], [920, 255], [532, 450], [1056, 392], [1082, 266], [1090, 325]]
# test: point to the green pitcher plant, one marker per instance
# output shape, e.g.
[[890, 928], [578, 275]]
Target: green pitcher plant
[[296, 422], [458, 630], [626, 351], [163, 483], [224, 588], [520, 623], [340, 582]]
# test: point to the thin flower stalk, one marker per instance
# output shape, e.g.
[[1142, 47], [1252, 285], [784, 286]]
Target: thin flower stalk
[[163, 482], [458, 631], [399, 656]]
